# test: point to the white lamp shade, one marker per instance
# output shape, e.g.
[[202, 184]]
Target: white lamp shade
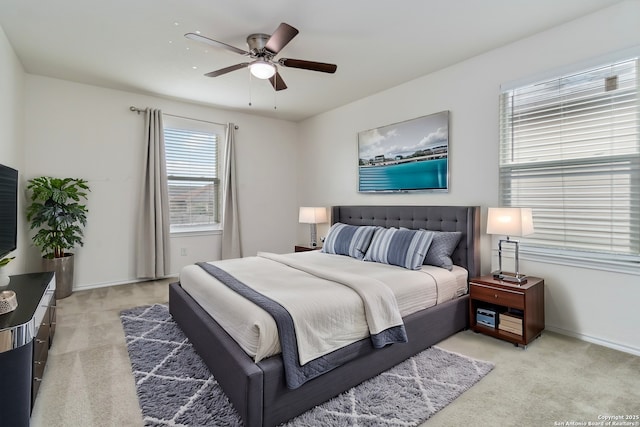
[[510, 221], [262, 69], [311, 215]]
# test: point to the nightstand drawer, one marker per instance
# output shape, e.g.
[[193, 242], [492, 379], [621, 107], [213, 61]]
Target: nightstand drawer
[[504, 297]]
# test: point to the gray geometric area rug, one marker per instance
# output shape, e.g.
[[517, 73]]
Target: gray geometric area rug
[[175, 387]]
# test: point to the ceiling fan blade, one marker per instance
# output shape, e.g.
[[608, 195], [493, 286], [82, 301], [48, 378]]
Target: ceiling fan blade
[[226, 70], [280, 38], [277, 82], [215, 43], [308, 65]]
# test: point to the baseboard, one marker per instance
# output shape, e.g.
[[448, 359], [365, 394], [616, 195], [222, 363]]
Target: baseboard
[[107, 284], [593, 340]]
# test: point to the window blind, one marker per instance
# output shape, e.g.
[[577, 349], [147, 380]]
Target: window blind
[[192, 174], [569, 149]]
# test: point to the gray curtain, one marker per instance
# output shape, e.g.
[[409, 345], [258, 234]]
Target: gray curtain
[[153, 211], [231, 247]]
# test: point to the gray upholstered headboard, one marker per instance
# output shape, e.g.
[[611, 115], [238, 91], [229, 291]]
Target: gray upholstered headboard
[[437, 218]]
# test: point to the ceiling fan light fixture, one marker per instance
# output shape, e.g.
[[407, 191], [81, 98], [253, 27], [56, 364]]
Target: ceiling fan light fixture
[[262, 69]]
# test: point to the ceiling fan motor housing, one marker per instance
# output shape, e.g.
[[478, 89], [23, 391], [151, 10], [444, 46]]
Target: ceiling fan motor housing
[[257, 43]]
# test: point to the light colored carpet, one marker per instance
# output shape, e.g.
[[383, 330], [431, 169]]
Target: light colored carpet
[[88, 379], [175, 387]]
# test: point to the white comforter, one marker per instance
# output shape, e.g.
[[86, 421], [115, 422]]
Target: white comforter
[[319, 334]]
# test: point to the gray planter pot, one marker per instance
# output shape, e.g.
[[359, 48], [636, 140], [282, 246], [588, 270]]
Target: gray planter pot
[[63, 267]]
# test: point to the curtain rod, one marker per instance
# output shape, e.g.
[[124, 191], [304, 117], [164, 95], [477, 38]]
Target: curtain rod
[[142, 110]]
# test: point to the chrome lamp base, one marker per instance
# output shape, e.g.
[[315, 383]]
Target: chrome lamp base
[[520, 279], [314, 236], [509, 277]]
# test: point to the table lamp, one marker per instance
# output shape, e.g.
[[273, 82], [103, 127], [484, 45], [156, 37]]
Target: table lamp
[[312, 216], [510, 222]]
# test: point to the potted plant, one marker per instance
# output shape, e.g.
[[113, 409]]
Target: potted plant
[[4, 277], [58, 215]]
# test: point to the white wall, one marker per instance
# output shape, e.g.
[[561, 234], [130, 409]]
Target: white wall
[[594, 305], [11, 131], [71, 129], [77, 130]]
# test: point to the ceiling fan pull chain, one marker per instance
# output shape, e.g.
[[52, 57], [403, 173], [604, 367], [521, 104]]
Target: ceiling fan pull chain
[[275, 93], [250, 83]]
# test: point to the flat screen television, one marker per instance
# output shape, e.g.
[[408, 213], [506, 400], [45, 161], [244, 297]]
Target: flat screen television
[[8, 209]]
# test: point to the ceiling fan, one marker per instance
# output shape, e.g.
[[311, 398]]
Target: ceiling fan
[[262, 50]]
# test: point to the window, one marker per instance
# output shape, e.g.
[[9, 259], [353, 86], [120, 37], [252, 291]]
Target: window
[[192, 174], [569, 149]]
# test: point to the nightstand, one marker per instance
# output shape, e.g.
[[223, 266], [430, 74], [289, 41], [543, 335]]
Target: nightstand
[[307, 248], [505, 310]]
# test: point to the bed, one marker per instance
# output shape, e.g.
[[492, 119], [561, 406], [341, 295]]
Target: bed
[[259, 391]]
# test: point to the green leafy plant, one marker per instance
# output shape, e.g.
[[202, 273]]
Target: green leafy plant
[[5, 261], [57, 213]]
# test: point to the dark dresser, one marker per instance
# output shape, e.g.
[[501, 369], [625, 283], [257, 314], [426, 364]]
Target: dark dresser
[[26, 334]]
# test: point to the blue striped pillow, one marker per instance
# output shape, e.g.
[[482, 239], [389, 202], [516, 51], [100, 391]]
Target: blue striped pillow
[[404, 248], [351, 240]]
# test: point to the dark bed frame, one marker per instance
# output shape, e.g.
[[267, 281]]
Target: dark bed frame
[[258, 390]]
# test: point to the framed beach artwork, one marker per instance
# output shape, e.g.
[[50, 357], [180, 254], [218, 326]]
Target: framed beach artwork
[[406, 156]]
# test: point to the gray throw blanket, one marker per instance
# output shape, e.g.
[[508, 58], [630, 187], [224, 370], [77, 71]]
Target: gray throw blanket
[[296, 374]]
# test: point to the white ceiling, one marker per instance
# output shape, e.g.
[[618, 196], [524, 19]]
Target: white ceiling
[[138, 45]]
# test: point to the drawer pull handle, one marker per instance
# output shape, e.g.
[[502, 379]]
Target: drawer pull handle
[[39, 341], [38, 362], [37, 379], [495, 295]]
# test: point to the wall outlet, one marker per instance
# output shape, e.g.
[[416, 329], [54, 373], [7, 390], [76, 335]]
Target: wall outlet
[[183, 251]]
